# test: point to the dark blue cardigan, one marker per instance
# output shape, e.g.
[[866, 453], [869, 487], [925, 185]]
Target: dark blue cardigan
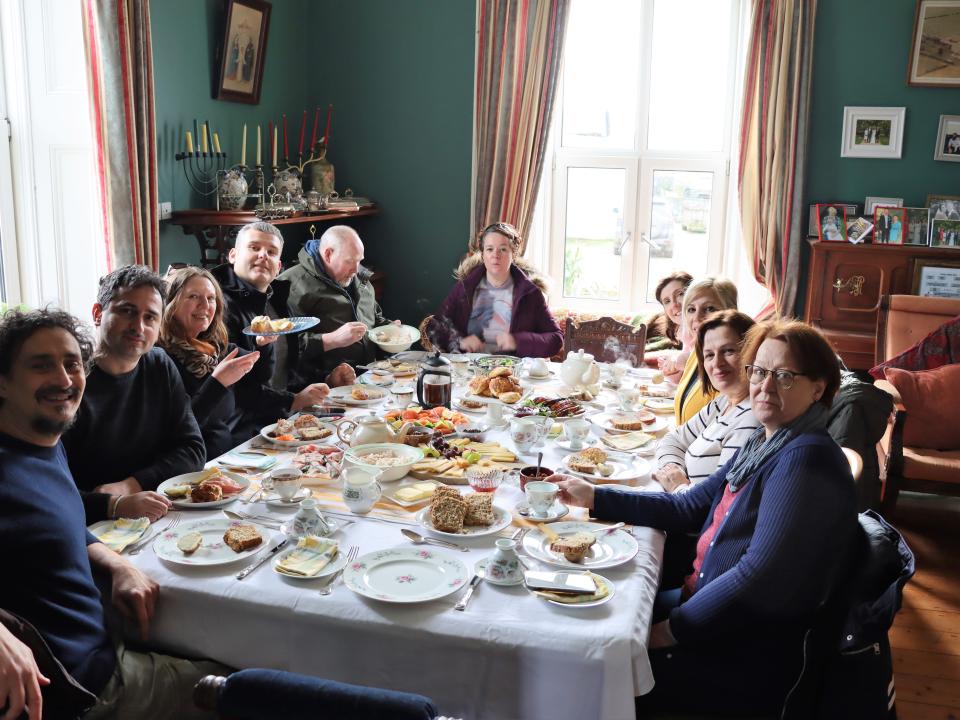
[[774, 558]]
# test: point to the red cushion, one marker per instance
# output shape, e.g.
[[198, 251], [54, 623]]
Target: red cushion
[[931, 400], [941, 347]]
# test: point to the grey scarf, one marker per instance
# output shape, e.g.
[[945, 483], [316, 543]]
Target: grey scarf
[[758, 449]]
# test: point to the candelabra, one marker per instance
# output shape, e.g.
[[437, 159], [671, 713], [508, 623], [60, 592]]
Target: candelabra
[[202, 170]]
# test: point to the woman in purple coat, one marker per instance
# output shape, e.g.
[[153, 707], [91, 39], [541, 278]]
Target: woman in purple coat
[[497, 304]]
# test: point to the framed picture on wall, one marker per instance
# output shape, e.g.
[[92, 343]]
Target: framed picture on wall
[[243, 51], [936, 278], [918, 226], [888, 225], [872, 132], [948, 139], [833, 222], [934, 61]]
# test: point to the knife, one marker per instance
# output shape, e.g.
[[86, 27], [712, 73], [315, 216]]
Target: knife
[[262, 559], [462, 605]]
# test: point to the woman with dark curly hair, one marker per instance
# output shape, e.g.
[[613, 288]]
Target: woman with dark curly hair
[[496, 305]]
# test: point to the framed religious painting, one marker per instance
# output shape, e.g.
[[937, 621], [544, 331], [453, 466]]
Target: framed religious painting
[[934, 59], [243, 51]]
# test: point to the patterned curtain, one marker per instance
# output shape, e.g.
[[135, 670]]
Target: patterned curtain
[[519, 48], [120, 78], [773, 141]]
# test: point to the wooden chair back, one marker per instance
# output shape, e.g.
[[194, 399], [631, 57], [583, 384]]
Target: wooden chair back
[[608, 340], [904, 320]]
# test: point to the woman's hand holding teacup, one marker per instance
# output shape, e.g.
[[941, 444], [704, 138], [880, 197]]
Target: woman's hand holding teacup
[[232, 368], [574, 491]]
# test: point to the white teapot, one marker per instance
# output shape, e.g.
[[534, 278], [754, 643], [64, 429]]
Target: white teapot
[[366, 429], [579, 369]]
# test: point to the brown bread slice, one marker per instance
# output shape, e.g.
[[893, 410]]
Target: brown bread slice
[[242, 537]]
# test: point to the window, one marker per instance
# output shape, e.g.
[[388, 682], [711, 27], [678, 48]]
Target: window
[[639, 179]]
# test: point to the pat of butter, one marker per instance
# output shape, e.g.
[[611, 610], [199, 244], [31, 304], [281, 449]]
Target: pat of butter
[[413, 493]]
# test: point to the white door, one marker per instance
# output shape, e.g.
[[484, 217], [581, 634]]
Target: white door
[[61, 251]]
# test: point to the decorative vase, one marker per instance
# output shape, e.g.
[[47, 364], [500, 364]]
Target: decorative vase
[[320, 176], [288, 183], [232, 190]]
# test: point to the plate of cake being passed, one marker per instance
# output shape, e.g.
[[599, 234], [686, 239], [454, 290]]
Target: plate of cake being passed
[[263, 325]]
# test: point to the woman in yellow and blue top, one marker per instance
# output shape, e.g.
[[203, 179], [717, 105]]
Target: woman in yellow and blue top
[[702, 298]]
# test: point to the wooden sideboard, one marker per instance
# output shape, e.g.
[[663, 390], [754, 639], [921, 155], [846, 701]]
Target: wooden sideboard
[[845, 285]]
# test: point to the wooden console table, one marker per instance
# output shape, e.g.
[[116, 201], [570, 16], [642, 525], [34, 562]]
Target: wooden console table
[[215, 230]]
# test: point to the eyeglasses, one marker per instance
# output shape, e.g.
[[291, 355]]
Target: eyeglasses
[[756, 375]]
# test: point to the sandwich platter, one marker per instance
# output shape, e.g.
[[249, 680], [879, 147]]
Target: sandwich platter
[[405, 575], [503, 520], [191, 478], [299, 325], [212, 551], [610, 550], [620, 471]]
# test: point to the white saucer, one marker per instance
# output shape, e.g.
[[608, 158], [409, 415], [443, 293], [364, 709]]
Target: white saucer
[[558, 511], [565, 445], [301, 494], [483, 566]]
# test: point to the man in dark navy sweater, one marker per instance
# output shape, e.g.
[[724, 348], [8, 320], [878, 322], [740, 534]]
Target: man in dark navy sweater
[[135, 427], [49, 557]]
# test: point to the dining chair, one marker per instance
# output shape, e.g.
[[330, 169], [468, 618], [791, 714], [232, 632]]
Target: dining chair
[[608, 340]]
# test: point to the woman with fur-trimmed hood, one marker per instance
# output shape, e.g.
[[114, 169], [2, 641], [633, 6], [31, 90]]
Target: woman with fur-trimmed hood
[[498, 304]]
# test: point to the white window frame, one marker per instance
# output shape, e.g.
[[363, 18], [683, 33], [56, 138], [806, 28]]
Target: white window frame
[[547, 236]]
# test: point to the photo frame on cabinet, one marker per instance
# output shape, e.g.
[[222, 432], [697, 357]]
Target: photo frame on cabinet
[[889, 224], [872, 132], [813, 223], [832, 222], [944, 207], [945, 234], [918, 226], [936, 278], [872, 202], [948, 139], [933, 58], [243, 52]]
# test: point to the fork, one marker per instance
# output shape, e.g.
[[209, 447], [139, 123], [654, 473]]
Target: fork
[[141, 544], [351, 556]]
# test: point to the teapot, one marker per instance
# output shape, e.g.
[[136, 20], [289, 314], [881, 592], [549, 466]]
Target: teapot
[[366, 429], [579, 369]]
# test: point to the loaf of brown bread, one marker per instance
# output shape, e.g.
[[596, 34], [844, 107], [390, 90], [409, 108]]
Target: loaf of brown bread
[[447, 513], [479, 509]]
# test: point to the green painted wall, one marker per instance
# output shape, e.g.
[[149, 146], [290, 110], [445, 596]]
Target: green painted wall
[[861, 53], [186, 34], [400, 75]]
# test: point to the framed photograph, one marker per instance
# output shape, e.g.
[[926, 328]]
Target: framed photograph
[[871, 203], [948, 139], [888, 225], [243, 51], [945, 233], [934, 60], [813, 224], [918, 226], [858, 230], [832, 222], [944, 207], [936, 278], [872, 132]]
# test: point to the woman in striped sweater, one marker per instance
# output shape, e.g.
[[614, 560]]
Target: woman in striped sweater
[[776, 524], [693, 451]]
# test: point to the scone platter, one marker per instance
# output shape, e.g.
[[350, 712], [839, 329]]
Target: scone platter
[[499, 384], [263, 325]]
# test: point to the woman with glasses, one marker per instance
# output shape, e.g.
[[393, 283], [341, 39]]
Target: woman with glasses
[[775, 524], [692, 452], [497, 305], [702, 298]]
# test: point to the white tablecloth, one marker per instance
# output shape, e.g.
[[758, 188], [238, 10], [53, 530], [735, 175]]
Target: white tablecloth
[[510, 655]]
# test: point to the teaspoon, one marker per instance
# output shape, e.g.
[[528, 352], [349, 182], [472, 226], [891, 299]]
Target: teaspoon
[[418, 539]]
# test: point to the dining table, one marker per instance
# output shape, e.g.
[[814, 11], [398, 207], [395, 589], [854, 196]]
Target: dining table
[[510, 654]]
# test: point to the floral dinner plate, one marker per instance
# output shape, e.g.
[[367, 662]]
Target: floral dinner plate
[[405, 575]]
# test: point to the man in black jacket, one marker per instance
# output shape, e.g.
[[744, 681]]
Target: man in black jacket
[[250, 288]]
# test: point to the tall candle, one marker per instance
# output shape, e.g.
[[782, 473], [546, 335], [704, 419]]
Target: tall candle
[[286, 145], [203, 138], [216, 143], [313, 135], [258, 144], [274, 146], [189, 142], [303, 129], [243, 146], [196, 133], [326, 133]]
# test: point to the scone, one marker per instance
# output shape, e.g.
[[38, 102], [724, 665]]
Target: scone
[[189, 542], [242, 537], [447, 513], [480, 386], [281, 325], [479, 509], [509, 397], [261, 324], [574, 547], [501, 371], [207, 492], [359, 393]]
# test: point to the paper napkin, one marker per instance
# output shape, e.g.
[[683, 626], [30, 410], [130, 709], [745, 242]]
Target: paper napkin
[[122, 532], [311, 555]]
